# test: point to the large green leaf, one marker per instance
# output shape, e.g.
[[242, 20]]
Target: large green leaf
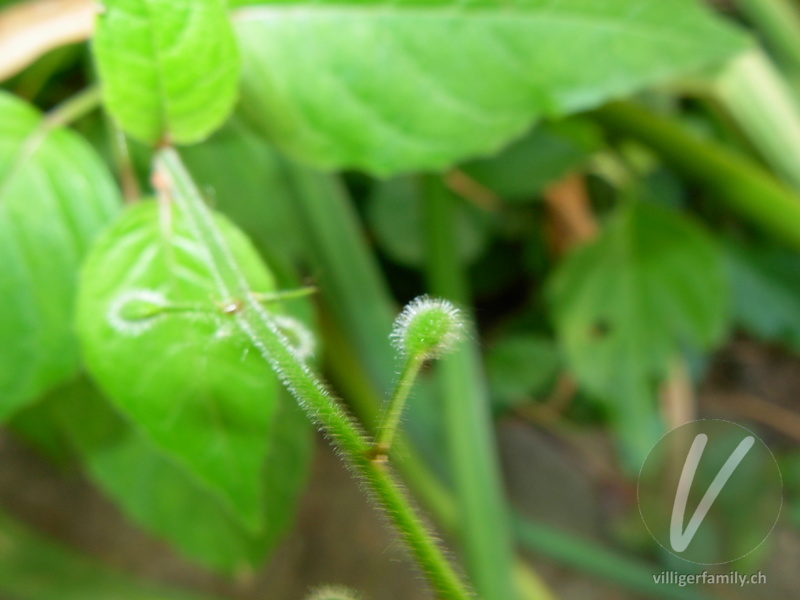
[[159, 495], [169, 68], [625, 305], [55, 196], [163, 347], [391, 86]]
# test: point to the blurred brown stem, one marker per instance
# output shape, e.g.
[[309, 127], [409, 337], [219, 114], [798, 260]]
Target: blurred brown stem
[[678, 404], [571, 218], [751, 407]]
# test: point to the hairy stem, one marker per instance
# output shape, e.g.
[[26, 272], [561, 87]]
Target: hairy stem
[[394, 410], [170, 177]]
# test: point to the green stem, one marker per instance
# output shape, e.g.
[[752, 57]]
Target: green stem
[[763, 106], [120, 151], [743, 186], [359, 312], [779, 22], [344, 367], [171, 178], [283, 295], [484, 527], [597, 560], [394, 410], [64, 114], [73, 108]]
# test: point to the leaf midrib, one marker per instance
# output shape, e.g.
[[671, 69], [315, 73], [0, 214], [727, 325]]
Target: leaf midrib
[[163, 108]]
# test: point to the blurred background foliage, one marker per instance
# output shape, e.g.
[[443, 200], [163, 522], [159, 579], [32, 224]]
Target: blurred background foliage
[[612, 191]]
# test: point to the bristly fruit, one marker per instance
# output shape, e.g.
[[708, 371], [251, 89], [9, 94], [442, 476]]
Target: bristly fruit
[[427, 328], [333, 593]]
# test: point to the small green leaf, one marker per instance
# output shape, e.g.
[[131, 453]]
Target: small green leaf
[[766, 292], [625, 304], [165, 349], [169, 68], [166, 500], [390, 87], [520, 366], [547, 153], [395, 216], [55, 196]]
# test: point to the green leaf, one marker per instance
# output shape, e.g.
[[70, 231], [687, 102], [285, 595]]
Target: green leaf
[[520, 366], [625, 304], [392, 87], [395, 216], [38, 426], [164, 348], [163, 498], [766, 292], [547, 153], [55, 196], [169, 68]]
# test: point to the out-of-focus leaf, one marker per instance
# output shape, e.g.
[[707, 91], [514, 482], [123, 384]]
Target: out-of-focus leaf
[[765, 286], [547, 153], [55, 196], [247, 181], [625, 304], [167, 352], [34, 568], [169, 68], [790, 467], [395, 216], [38, 426], [156, 493], [392, 87], [519, 366]]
